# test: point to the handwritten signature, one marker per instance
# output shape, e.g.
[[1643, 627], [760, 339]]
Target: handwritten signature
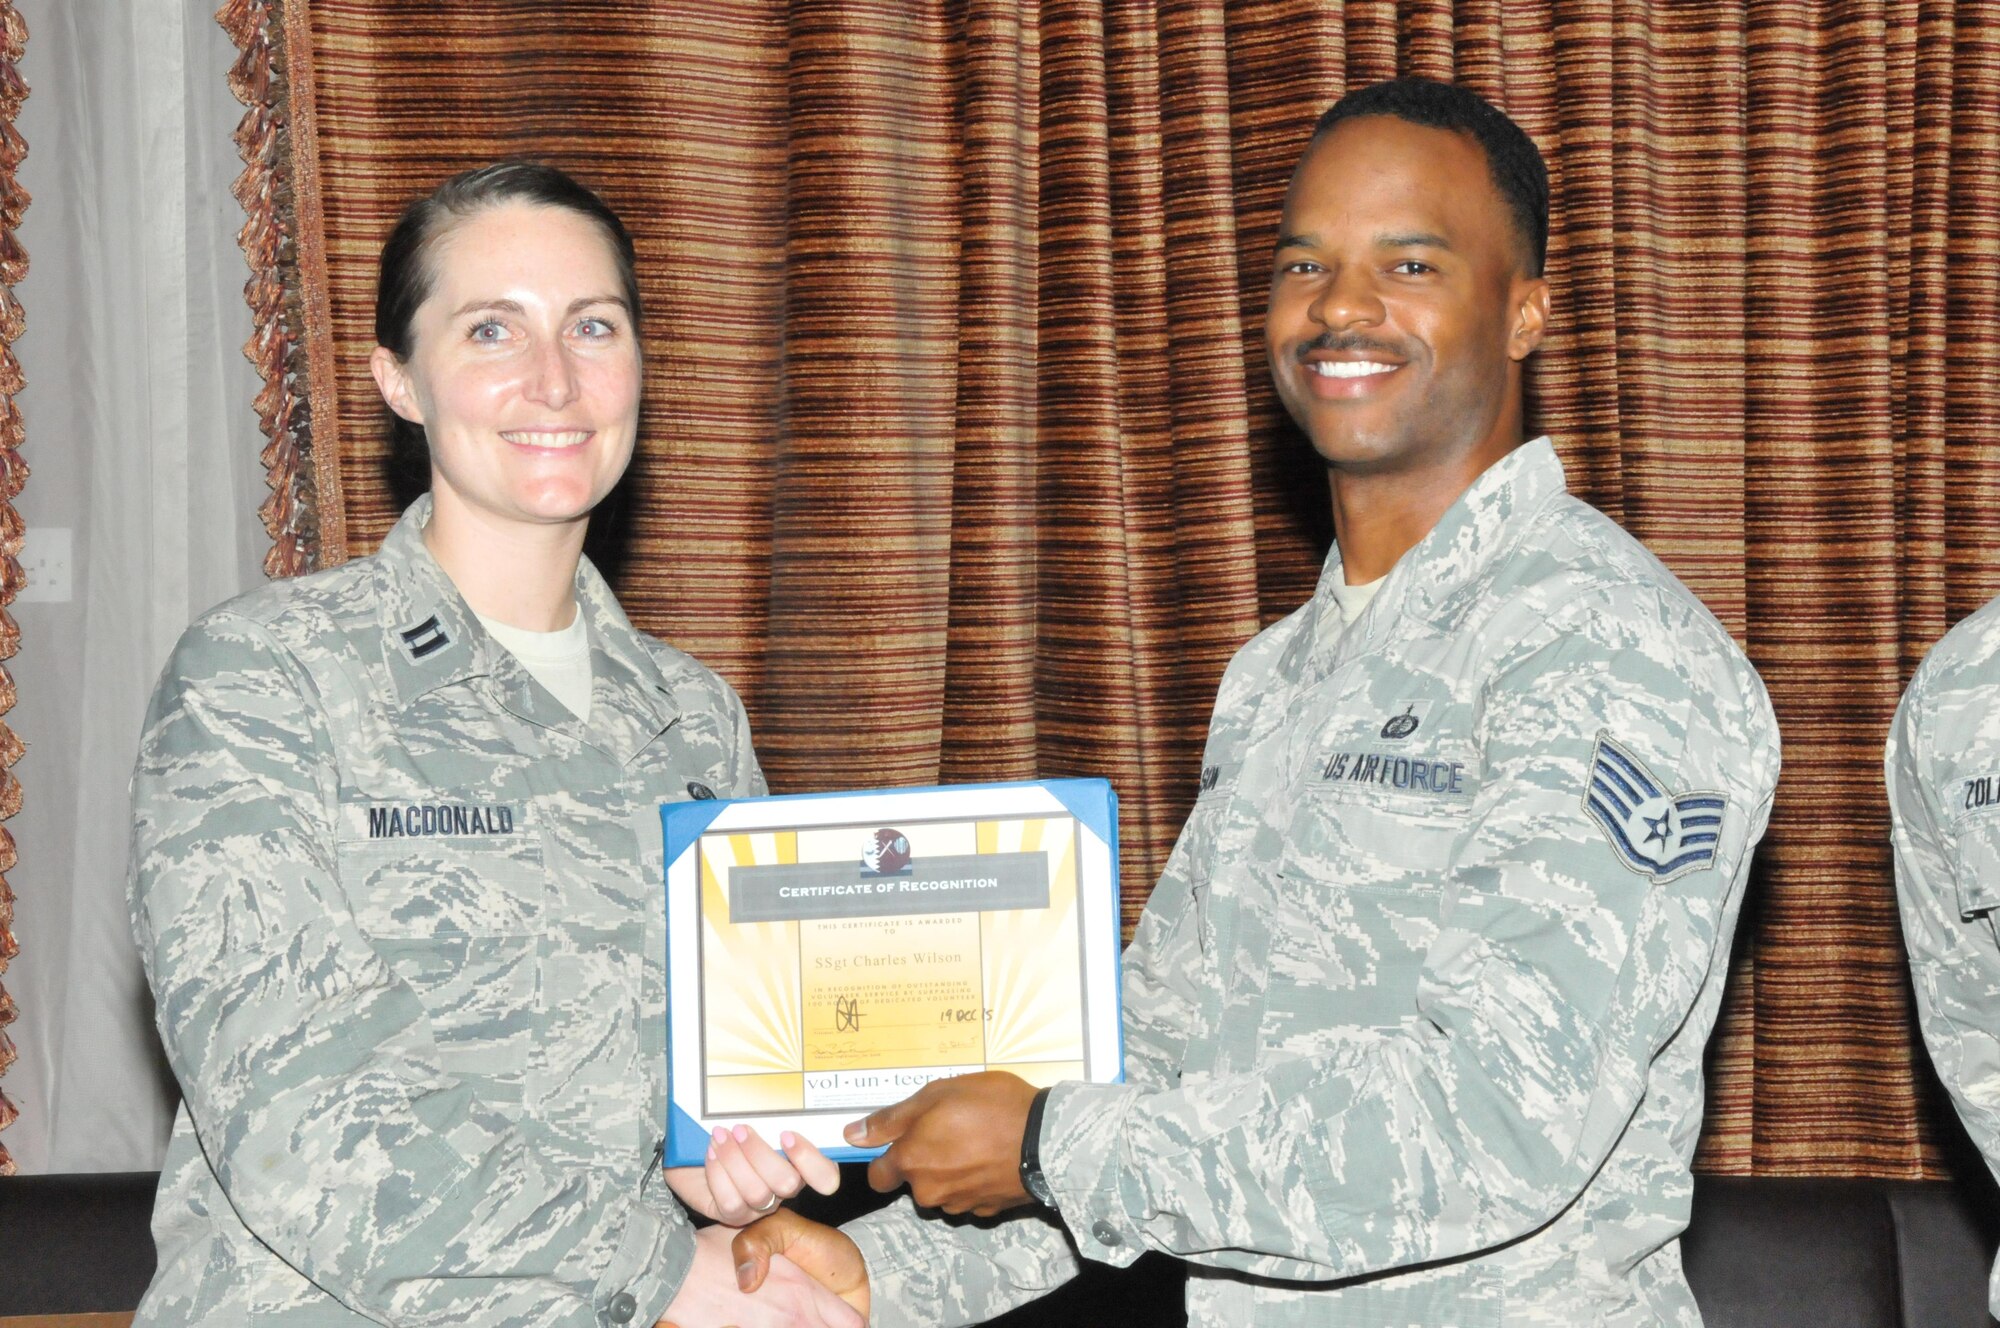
[[846, 1015]]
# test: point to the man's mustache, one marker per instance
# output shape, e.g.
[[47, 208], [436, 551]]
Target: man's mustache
[[1339, 343]]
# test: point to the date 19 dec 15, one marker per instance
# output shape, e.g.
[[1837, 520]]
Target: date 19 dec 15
[[847, 1014]]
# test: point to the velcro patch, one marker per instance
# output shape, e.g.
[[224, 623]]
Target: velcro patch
[[1654, 832], [1413, 774], [438, 820], [1980, 793]]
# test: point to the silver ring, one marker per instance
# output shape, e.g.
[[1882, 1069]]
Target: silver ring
[[768, 1208]]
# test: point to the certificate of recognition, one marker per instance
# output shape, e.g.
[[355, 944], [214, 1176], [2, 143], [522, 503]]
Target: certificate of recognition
[[832, 953]]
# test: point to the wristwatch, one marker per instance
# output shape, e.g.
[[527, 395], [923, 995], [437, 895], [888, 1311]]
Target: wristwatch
[[1032, 1179]]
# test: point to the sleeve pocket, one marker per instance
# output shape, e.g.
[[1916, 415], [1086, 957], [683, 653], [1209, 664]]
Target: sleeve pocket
[[1975, 864]]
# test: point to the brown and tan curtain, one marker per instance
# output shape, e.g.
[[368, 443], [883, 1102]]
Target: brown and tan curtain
[[961, 460]]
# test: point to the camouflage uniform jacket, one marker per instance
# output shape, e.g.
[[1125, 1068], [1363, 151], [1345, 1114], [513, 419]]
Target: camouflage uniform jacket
[[401, 914], [1414, 1018], [1943, 766]]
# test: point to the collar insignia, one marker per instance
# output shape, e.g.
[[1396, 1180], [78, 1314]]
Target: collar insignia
[[426, 638]]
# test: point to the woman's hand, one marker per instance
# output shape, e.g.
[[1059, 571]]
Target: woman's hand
[[745, 1178]]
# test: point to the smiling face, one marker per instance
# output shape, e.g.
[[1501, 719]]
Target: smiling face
[[524, 370], [1401, 305]]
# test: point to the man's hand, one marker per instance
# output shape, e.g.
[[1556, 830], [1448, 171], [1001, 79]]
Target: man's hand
[[711, 1296], [826, 1254], [956, 1141]]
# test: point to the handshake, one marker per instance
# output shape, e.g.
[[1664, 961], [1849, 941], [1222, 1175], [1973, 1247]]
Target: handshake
[[955, 1142]]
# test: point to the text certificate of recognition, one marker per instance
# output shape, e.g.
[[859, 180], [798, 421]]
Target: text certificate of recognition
[[831, 953]]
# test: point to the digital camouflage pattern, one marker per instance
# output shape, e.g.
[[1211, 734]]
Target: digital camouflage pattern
[[401, 913], [1943, 768], [1414, 1019]]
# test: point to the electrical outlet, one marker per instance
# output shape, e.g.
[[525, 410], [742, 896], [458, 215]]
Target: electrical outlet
[[45, 557]]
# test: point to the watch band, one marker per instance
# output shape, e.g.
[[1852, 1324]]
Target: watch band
[[1032, 1179]]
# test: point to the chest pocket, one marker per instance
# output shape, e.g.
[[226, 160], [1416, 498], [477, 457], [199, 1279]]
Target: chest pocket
[[458, 909], [1975, 866], [1380, 799], [1383, 787], [1359, 898], [1374, 836]]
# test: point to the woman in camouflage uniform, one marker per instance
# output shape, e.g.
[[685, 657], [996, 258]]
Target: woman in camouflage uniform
[[396, 852]]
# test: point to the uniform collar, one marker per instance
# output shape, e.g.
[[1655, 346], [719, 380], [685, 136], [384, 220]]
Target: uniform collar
[[432, 639], [1473, 533], [429, 637], [631, 701]]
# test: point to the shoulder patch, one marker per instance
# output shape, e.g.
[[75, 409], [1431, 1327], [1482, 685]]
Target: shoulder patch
[[1653, 831]]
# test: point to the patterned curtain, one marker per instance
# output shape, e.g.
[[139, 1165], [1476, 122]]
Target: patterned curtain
[[13, 474], [961, 459]]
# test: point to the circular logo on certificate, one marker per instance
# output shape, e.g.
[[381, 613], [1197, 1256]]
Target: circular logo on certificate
[[888, 854]]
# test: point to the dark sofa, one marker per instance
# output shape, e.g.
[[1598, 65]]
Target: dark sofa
[[1760, 1254]]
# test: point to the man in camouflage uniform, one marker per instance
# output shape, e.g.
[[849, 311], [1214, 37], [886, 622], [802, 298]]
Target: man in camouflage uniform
[[1943, 766], [1414, 1019], [401, 910]]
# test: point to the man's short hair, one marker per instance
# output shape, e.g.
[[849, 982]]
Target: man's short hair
[[1512, 158]]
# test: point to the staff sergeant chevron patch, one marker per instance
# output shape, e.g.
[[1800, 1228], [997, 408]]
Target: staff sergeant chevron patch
[[1654, 832]]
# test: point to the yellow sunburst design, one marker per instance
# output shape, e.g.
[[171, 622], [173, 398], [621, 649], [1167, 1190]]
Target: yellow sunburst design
[[1019, 964], [742, 1094], [750, 971], [1033, 983]]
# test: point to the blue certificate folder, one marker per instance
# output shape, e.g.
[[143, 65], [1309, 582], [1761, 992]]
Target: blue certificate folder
[[830, 953]]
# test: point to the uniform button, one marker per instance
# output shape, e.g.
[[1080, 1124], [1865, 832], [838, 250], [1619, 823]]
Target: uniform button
[[1106, 1233], [621, 1308]]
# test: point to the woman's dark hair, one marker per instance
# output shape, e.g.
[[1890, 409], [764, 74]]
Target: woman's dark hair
[[406, 274]]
